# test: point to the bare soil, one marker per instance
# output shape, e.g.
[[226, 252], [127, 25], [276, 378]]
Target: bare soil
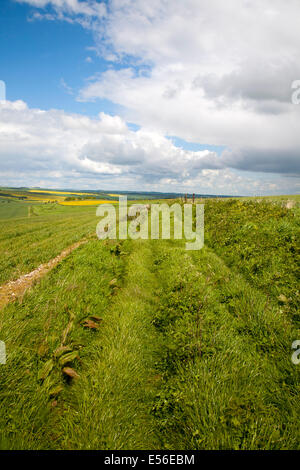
[[14, 290]]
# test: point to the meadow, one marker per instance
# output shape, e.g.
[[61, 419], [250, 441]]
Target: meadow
[[140, 344], [26, 242]]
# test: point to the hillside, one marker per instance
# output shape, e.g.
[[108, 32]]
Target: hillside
[[140, 344]]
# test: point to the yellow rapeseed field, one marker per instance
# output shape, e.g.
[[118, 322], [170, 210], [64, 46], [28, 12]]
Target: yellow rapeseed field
[[87, 202], [59, 192]]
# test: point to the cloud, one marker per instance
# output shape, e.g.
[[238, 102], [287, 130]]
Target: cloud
[[33, 140], [216, 73], [66, 87], [70, 7], [263, 160], [63, 149]]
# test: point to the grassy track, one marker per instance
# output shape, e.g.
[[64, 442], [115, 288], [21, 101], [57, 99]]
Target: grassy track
[[109, 405], [27, 242], [229, 382], [174, 349], [49, 317], [109, 408]]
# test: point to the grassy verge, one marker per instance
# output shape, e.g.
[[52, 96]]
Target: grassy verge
[[261, 241], [47, 332], [229, 382]]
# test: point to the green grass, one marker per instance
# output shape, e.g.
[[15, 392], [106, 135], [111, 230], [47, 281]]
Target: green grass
[[262, 241], [109, 408], [27, 242], [229, 382], [193, 350], [10, 209], [33, 330], [277, 199]]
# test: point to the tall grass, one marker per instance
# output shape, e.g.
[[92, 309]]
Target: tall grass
[[169, 349], [229, 382], [32, 385], [109, 408]]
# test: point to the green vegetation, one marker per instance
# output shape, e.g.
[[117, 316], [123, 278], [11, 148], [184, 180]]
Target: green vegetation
[[144, 345], [262, 241], [46, 230], [229, 382], [10, 209], [40, 333], [278, 199]]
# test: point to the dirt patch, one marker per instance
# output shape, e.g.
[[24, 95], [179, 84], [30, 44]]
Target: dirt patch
[[290, 204], [13, 290]]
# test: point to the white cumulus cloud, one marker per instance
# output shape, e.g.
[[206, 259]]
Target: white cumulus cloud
[[212, 72]]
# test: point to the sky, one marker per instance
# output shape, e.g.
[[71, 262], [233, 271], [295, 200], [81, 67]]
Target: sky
[[167, 95]]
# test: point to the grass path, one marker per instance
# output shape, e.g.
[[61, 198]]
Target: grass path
[[110, 407], [187, 354], [51, 315], [14, 290], [229, 382]]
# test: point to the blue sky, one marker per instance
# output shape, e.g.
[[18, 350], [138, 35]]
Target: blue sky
[[37, 56], [46, 63], [168, 105]]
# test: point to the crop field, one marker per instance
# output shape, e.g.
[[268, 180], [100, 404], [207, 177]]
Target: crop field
[[87, 202], [142, 344], [10, 209], [34, 196]]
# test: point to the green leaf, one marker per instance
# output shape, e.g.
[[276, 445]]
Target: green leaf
[[68, 357], [45, 371]]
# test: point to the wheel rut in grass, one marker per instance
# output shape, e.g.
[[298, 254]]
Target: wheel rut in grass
[[110, 405], [188, 356], [50, 331], [226, 348], [14, 290]]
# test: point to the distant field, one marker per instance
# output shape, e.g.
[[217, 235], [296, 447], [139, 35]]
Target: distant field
[[42, 191], [28, 196], [10, 209], [87, 202]]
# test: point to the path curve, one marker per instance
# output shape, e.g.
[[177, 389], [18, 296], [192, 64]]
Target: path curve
[[13, 290]]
